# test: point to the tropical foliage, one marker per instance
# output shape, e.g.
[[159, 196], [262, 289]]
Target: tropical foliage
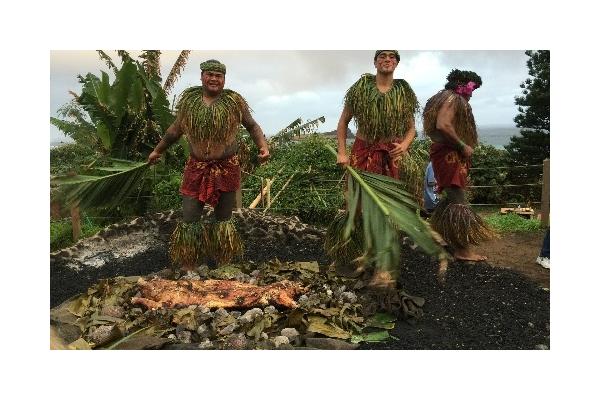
[[306, 181], [122, 121]]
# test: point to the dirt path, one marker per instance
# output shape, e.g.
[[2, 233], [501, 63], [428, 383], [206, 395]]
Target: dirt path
[[517, 251]]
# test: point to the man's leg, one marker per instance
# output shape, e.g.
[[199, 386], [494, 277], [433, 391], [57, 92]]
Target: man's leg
[[192, 213], [544, 257], [546, 245], [225, 206], [224, 243], [456, 195], [192, 209]]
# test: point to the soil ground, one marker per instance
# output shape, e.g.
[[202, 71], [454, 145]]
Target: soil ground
[[517, 251]]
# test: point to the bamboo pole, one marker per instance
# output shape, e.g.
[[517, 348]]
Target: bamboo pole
[[262, 193], [268, 194], [278, 193], [545, 207]]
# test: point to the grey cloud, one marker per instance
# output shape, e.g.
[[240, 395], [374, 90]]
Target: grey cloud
[[262, 75]]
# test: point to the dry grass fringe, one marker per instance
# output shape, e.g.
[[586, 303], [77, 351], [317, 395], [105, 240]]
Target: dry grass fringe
[[381, 116], [215, 123], [344, 251], [459, 225], [185, 247], [222, 242], [464, 122]]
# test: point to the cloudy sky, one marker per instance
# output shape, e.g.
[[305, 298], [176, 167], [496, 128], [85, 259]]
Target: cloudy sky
[[281, 86]]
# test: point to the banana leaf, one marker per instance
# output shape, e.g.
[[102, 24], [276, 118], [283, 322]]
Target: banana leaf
[[108, 190], [386, 210]]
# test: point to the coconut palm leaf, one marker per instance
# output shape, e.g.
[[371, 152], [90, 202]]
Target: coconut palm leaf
[[108, 190], [386, 210]]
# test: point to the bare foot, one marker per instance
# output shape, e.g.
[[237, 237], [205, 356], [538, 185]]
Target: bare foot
[[442, 269], [188, 268], [382, 280], [468, 255]]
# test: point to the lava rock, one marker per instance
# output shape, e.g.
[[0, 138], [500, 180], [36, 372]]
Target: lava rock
[[330, 344], [104, 334], [280, 340]]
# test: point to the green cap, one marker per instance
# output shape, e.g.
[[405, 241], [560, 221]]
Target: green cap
[[213, 65]]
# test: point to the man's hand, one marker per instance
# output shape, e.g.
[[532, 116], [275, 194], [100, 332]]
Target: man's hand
[[343, 160], [154, 157], [467, 151], [263, 154], [398, 151]]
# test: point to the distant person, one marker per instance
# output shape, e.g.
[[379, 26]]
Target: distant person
[[384, 111], [448, 120], [544, 257], [430, 198]]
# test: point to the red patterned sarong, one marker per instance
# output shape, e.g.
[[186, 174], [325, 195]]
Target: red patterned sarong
[[374, 158], [206, 180], [450, 167]]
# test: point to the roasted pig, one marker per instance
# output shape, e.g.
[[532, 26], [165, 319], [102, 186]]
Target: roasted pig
[[157, 293]]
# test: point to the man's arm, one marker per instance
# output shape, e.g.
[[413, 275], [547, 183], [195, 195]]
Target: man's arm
[[257, 135], [402, 147], [172, 135], [445, 125], [342, 128]]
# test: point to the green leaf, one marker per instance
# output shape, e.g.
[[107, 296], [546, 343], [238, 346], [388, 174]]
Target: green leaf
[[104, 135], [319, 324], [379, 336], [124, 82], [312, 266], [381, 320], [79, 344]]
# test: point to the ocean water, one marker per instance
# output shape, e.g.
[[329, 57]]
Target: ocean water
[[497, 136]]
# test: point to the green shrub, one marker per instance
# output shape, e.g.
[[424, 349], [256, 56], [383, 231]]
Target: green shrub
[[165, 193], [61, 232], [70, 158], [489, 158], [512, 223], [315, 192]]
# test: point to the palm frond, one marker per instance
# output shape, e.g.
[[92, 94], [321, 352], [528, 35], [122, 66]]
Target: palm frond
[[108, 60], [109, 190], [386, 210], [124, 55], [176, 70]]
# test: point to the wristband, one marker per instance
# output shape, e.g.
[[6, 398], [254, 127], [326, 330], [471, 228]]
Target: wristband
[[461, 145]]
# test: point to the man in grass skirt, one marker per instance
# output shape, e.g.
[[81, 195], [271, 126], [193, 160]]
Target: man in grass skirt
[[209, 116], [384, 111], [448, 120]]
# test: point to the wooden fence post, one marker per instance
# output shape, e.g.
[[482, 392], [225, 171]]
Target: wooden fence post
[[76, 223], [238, 198], [545, 207]]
